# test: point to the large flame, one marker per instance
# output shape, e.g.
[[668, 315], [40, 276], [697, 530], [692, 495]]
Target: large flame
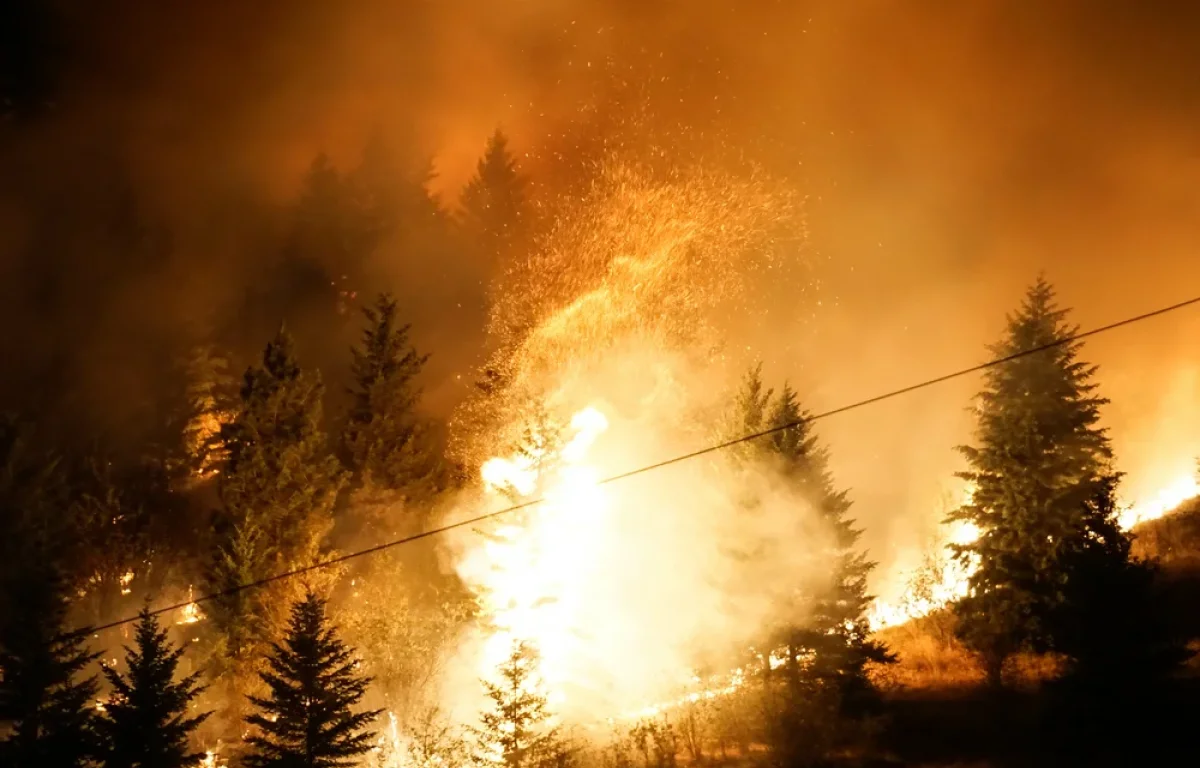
[[533, 573]]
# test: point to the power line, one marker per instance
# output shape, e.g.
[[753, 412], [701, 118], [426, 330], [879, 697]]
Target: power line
[[650, 467]]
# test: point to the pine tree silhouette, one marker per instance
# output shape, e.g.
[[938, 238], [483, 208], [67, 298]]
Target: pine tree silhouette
[[50, 709], [146, 721], [307, 720], [493, 202], [386, 442]]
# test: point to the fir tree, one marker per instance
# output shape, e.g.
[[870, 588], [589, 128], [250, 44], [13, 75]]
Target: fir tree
[[392, 195], [493, 202], [209, 394], [515, 731], [49, 705], [277, 486], [1123, 651], [307, 721], [835, 633], [146, 721], [386, 443], [1040, 458], [279, 474]]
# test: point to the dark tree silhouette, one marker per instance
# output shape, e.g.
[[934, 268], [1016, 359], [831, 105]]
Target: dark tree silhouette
[[146, 721], [493, 202], [307, 719], [50, 706], [387, 444]]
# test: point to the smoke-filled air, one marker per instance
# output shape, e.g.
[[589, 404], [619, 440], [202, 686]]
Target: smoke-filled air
[[598, 384]]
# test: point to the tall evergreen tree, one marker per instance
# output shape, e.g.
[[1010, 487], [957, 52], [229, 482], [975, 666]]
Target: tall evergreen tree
[[277, 487], [386, 442], [1039, 461], [43, 694], [307, 721], [279, 473], [515, 731], [834, 635], [493, 202], [146, 721], [44, 698]]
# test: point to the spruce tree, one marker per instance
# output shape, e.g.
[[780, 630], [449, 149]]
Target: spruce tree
[[279, 474], [515, 730], [834, 636], [146, 721], [307, 720], [1040, 458], [44, 696], [386, 443], [45, 700], [493, 201], [277, 486]]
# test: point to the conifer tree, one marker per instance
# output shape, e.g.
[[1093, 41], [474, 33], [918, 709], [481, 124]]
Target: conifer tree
[[515, 731], [386, 442], [277, 486], [307, 719], [391, 193], [493, 202], [146, 721], [44, 697], [835, 632], [1040, 459], [279, 474], [45, 700], [209, 393]]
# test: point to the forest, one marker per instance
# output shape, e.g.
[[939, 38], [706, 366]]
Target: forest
[[540, 469]]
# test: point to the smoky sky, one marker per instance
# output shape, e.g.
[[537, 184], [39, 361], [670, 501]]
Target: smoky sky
[[949, 152]]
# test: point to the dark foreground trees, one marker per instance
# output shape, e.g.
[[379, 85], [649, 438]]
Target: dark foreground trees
[[307, 719], [44, 692], [1039, 462], [147, 719]]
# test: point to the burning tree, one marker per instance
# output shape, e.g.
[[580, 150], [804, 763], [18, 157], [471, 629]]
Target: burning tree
[[313, 682], [277, 486], [1040, 461], [145, 720], [515, 732]]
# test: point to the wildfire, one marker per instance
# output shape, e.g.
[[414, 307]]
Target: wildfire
[[190, 613], [528, 571], [943, 579]]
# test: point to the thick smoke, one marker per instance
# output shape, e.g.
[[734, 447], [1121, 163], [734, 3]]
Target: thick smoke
[[949, 153], [628, 589]]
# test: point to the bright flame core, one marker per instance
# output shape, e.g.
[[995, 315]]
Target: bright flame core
[[533, 573]]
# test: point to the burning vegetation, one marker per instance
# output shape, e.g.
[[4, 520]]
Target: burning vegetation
[[621, 538]]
